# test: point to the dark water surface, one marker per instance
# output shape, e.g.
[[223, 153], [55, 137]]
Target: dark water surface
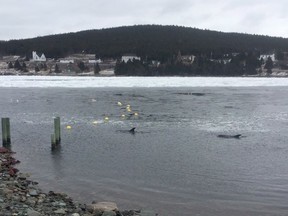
[[174, 164]]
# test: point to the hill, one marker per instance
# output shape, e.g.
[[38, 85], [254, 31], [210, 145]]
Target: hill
[[147, 41]]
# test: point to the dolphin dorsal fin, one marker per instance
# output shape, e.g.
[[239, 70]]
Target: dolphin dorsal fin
[[132, 130]]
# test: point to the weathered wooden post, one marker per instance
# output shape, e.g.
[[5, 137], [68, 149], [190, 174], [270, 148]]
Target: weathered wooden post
[[6, 135], [53, 141], [4, 131], [8, 131], [57, 130]]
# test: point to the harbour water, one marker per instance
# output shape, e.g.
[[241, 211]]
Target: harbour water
[[174, 163]]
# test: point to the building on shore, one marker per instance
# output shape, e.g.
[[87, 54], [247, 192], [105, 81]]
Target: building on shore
[[266, 56], [130, 57], [36, 58]]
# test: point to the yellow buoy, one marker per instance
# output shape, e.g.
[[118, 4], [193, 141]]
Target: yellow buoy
[[95, 122], [122, 116], [119, 103], [136, 114], [128, 109], [106, 118], [128, 106], [68, 127]]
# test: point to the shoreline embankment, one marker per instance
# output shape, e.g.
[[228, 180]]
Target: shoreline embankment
[[19, 195]]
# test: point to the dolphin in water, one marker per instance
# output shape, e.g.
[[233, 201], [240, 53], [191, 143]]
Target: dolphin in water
[[237, 136], [132, 130]]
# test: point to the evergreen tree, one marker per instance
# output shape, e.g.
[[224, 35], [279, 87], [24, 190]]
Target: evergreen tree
[[45, 67], [17, 65], [279, 55], [96, 69], [57, 69], [37, 69], [10, 65], [269, 65], [24, 67], [252, 63], [131, 68], [40, 66], [81, 66], [27, 58]]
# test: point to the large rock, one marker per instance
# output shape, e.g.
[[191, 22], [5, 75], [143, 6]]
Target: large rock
[[147, 212], [108, 213], [60, 211], [103, 206], [31, 212], [33, 192], [6, 192]]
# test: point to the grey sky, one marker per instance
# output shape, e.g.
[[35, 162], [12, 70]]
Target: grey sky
[[32, 18]]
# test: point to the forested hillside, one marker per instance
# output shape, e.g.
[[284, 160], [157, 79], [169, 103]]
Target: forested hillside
[[147, 41]]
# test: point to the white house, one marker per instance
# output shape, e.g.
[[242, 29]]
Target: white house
[[224, 61], [188, 59], [265, 57], [36, 58], [130, 57], [155, 63], [94, 61], [67, 61]]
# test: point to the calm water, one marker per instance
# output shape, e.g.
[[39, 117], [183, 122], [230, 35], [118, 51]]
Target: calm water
[[174, 164]]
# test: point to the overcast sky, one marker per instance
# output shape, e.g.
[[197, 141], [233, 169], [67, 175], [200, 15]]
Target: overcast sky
[[32, 18]]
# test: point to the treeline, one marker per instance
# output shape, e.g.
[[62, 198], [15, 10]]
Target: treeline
[[147, 41], [238, 65]]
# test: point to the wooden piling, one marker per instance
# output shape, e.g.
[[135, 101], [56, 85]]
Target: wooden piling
[[8, 131], [4, 131], [53, 141], [57, 130], [6, 135]]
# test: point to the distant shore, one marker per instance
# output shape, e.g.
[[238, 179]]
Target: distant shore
[[12, 72], [109, 73]]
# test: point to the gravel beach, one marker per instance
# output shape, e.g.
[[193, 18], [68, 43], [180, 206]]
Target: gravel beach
[[21, 196]]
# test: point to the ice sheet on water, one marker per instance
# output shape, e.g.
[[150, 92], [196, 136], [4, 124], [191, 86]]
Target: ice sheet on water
[[96, 82]]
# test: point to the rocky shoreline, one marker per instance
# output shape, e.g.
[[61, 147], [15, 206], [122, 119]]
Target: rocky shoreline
[[21, 196]]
